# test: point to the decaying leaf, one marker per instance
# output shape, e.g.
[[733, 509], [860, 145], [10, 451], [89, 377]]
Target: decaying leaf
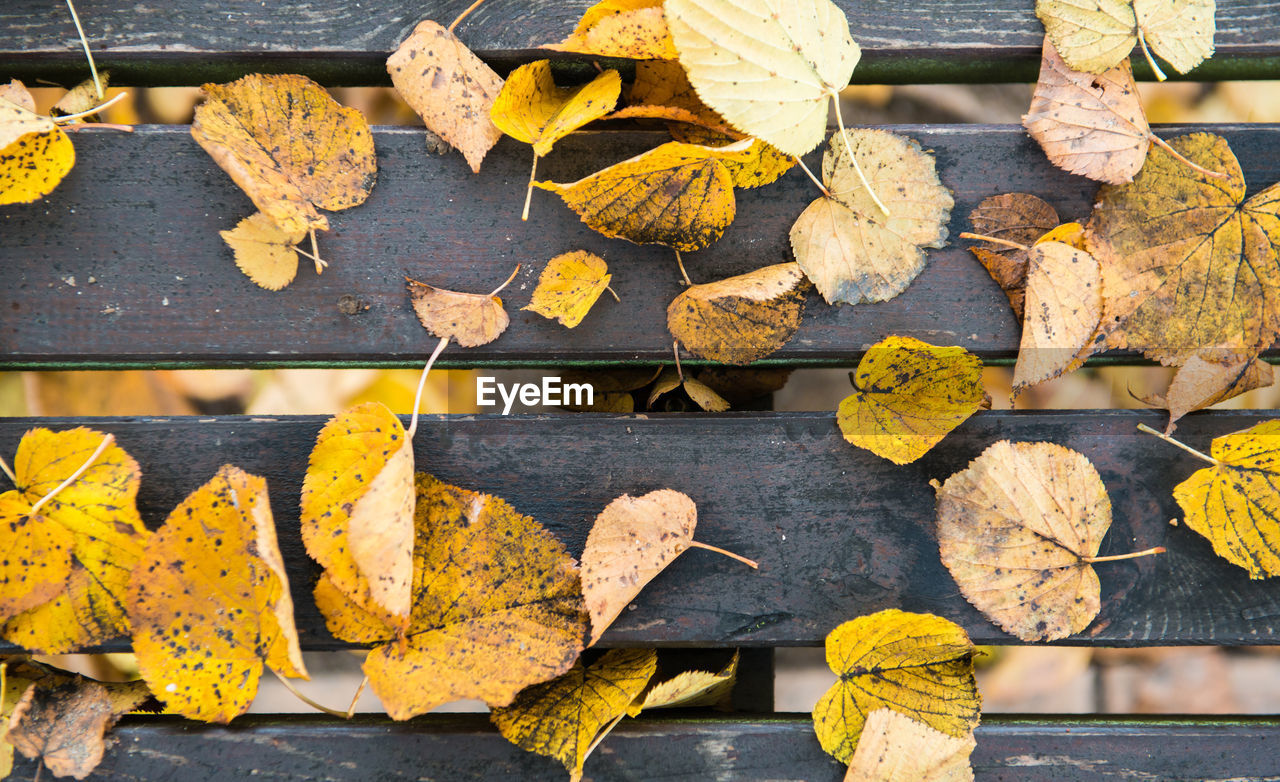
[[917, 664], [908, 395], [64, 724], [1095, 35], [740, 319], [621, 28], [1020, 218], [264, 252], [762, 164], [690, 689], [82, 97], [210, 604], [702, 395], [470, 319], [35, 154], [289, 146], [1189, 266], [449, 87], [566, 717], [1019, 529], [569, 286], [895, 748], [632, 540], [532, 109], [851, 250], [1199, 384], [1063, 313]]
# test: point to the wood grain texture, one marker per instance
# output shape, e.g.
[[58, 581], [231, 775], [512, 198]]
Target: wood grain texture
[[458, 748], [123, 262], [168, 42], [837, 531]]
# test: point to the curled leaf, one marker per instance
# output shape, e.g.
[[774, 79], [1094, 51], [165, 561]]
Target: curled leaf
[[740, 319], [1199, 384], [532, 109], [1020, 218], [1064, 312], [63, 723], [690, 689]]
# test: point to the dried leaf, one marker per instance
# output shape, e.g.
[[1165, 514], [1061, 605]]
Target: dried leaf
[[1096, 35], [1015, 217], [210, 603], [740, 319], [690, 689], [82, 97], [64, 724], [918, 664], [1199, 384], [569, 287], [470, 319], [770, 73], [908, 395], [449, 87], [37, 557], [564, 718], [895, 748], [289, 146], [664, 83], [702, 395], [762, 164], [621, 28], [1064, 313], [264, 252], [532, 109], [35, 154]]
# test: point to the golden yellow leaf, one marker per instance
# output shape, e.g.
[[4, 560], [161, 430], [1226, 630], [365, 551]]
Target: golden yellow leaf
[[532, 109], [569, 286], [621, 28], [37, 557], [449, 87], [470, 319], [210, 604], [1096, 35], [98, 511], [740, 319], [567, 716], [918, 664], [770, 72], [1189, 266], [35, 154], [1068, 233], [63, 723], [689, 690], [357, 510], [289, 146], [82, 97], [264, 252], [895, 748], [762, 165], [908, 395], [1019, 218], [664, 83], [1199, 384], [1062, 324]]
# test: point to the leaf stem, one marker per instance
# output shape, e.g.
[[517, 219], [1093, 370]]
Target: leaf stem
[[605, 731], [498, 289], [993, 240], [1178, 156], [4, 467], [683, 273], [315, 254], [100, 107], [93, 69], [93, 457], [675, 348], [1142, 41], [1118, 557], [528, 192], [613, 293], [816, 181], [835, 99], [750, 562], [298, 694], [351, 710], [464, 14], [422, 383], [1171, 441], [104, 125]]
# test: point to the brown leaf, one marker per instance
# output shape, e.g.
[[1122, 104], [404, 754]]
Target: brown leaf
[[740, 319], [1199, 384], [470, 319], [1015, 217], [63, 723]]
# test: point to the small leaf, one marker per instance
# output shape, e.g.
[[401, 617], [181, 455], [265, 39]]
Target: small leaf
[[702, 395], [264, 252], [532, 109], [690, 689], [1064, 313], [82, 97], [895, 748], [470, 319], [621, 28], [64, 723], [740, 319], [569, 286], [1096, 35]]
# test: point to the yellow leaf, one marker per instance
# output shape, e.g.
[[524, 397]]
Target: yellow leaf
[[357, 510], [703, 395], [895, 748], [1014, 217], [606, 402], [63, 723], [289, 146], [37, 557], [1199, 384], [1062, 324], [762, 164], [264, 252], [532, 109], [690, 689], [621, 28], [565, 717], [740, 319], [569, 287], [917, 664], [770, 73], [210, 603], [908, 395], [470, 319], [35, 154], [1096, 35], [1068, 233], [664, 83], [449, 87]]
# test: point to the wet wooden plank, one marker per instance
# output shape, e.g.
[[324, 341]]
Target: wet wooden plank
[[838, 532], [123, 264]]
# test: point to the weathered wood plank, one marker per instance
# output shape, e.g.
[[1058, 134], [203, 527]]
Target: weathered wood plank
[[779, 748], [123, 262], [160, 42], [838, 532]]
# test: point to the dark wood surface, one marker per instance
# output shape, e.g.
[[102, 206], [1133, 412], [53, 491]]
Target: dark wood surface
[[123, 262], [838, 532], [168, 42], [450, 748]]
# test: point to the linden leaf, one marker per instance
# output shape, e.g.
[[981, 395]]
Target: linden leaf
[[895, 748], [357, 510], [1188, 264], [702, 395], [918, 664], [1018, 218], [35, 154], [449, 87], [289, 146], [621, 28], [569, 286], [532, 109], [64, 724], [664, 83], [210, 603], [566, 717], [908, 395], [770, 73], [264, 252], [740, 319], [762, 164], [1096, 35], [846, 245], [97, 512], [1063, 316], [1199, 384], [632, 540], [37, 557], [470, 319], [690, 689]]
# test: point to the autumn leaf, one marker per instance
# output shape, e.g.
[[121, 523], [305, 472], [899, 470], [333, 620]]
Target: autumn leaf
[[81, 98], [1188, 264], [470, 319], [663, 84], [566, 717], [740, 319], [35, 154], [632, 540], [1020, 529], [1199, 384], [895, 748], [742, 386], [606, 402], [761, 165], [702, 395], [1061, 327], [289, 146], [569, 287], [917, 664], [210, 604], [63, 723], [621, 28], [264, 252], [908, 395], [1017, 219], [1096, 35], [690, 689], [451, 88]]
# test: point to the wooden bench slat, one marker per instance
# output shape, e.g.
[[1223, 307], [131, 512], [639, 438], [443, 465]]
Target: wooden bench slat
[[838, 532], [466, 747], [123, 264], [160, 42]]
